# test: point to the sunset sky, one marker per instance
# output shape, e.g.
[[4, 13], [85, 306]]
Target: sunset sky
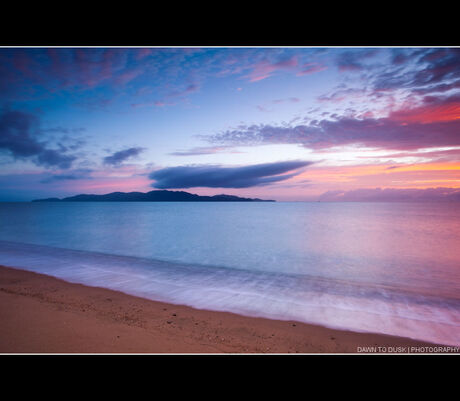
[[289, 123]]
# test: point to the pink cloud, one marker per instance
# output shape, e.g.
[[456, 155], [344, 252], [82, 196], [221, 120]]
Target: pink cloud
[[265, 69], [434, 109], [290, 100], [311, 68]]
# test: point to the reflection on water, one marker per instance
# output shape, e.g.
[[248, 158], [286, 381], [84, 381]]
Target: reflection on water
[[296, 260]]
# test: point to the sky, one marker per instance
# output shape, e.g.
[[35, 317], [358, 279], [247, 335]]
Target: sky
[[282, 123]]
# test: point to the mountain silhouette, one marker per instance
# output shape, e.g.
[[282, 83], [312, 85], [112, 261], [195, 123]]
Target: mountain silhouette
[[152, 196]]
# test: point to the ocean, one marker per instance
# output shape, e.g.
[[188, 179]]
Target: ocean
[[391, 268]]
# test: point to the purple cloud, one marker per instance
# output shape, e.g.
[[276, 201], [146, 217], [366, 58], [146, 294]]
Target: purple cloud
[[19, 137], [118, 157], [375, 133], [353, 60], [431, 69], [341, 94], [225, 177], [288, 100], [49, 70], [434, 124], [444, 87], [442, 64]]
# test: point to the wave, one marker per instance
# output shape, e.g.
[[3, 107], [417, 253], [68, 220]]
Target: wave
[[338, 304]]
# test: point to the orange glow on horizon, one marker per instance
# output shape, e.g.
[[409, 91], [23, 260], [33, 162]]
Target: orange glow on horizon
[[385, 176]]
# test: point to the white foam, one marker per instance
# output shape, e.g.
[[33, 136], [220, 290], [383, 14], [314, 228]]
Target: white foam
[[333, 303]]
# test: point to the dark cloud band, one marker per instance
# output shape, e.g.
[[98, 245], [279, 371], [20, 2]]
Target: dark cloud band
[[122, 155], [225, 177], [19, 136]]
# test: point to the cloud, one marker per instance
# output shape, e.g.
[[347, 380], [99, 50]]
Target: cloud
[[264, 108], [442, 64], [310, 68], [47, 70], [434, 124], [18, 131], [170, 73], [191, 88], [51, 157], [225, 177], [353, 60], [287, 100], [63, 130], [443, 87], [122, 155], [19, 136], [340, 95], [374, 133], [205, 150], [433, 109], [430, 70], [435, 155], [171, 98], [393, 195], [265, 68]]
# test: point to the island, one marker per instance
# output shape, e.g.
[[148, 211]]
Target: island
[[152, 196]]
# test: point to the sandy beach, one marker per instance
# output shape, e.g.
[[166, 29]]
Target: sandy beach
[[42, 314]]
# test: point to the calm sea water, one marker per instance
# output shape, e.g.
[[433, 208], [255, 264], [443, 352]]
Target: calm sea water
[[391, 268]]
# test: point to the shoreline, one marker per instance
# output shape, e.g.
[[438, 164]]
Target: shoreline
[[44, 314]]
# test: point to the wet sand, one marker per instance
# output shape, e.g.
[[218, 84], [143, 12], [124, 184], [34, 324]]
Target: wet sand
[[42, 314]]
